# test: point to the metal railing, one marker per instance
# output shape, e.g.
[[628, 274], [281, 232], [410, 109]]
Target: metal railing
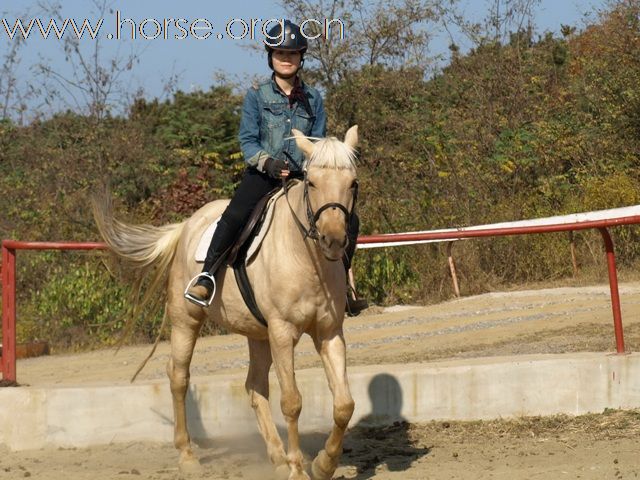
[[10, 247]]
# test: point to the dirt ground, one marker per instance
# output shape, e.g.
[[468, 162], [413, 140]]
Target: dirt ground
[[593, 447], [558, 320]]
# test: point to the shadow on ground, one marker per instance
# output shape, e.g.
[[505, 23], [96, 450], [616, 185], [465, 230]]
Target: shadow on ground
[[381, 440]]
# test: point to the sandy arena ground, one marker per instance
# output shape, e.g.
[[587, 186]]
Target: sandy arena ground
[[537, 321]]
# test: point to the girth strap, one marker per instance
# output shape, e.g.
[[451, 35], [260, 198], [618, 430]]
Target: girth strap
[[240, 271]]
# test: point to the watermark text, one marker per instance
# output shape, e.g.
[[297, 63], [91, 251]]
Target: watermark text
[[123, 28]]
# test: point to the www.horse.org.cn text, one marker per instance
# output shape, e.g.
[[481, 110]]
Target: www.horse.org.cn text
[[124, 28]]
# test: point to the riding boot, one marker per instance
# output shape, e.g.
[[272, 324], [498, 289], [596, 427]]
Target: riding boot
[[355, 304], [222, 240]]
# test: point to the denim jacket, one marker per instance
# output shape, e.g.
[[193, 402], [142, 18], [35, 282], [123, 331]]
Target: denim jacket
[[267, 121]]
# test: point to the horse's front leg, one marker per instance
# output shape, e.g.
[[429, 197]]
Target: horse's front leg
[[282, 338], [257, 386], [331, 348]]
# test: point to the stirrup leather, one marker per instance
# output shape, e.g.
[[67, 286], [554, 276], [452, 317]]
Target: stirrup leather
[[197, 301]]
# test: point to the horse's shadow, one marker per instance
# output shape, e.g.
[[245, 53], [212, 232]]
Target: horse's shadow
[[380, 440]]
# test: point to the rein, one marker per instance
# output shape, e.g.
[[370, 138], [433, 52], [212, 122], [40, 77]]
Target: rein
[[312, 218]]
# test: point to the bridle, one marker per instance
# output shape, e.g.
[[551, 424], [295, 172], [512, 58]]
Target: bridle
[[312, 217]]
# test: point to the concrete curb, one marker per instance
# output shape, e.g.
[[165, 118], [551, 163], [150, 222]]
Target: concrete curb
[[469, 389]]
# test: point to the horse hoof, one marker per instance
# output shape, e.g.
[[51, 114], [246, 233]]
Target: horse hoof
[[282, 472], [299, 476], [322, 467], [189, 465]]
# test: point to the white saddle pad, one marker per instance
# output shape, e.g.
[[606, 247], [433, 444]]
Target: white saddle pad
[[205, 240]]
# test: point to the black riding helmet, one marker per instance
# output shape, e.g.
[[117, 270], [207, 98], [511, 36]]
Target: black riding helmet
[[292, 40]]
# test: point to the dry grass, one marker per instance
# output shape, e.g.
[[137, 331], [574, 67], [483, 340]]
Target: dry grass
[[611, 424], [488, 444]]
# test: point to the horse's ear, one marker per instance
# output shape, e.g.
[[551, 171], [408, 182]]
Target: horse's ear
[[351, 137], [304, 144]]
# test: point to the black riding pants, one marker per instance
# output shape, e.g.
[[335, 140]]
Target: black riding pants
[[253, 186]]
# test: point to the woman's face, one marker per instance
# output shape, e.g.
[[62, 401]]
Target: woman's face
[[285, 62]]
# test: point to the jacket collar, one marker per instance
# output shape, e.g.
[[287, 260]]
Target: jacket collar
[[276, 88]]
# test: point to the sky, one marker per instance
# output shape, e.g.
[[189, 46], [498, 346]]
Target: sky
[[196, 63]]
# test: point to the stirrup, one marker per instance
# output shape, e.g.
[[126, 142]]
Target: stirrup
[[196, 300]]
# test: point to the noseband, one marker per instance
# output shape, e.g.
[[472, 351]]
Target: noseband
[[312, 218]]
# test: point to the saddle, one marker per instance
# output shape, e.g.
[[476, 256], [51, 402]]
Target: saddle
[[245, 247], [250, 236]]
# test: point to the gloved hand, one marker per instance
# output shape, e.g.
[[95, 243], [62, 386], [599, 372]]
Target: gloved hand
[[274, 167]]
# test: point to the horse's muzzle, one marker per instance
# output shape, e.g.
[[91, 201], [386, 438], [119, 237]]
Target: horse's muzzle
[[333, 246]]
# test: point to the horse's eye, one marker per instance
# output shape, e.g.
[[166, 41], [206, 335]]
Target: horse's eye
[[311, 184], [354, 184]]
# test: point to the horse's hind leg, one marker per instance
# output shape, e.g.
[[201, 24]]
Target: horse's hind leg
[[184, 332], [257, 386], [331, 348]]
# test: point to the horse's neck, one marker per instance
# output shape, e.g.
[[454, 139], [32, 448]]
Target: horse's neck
[[294, 268], [290, 239]]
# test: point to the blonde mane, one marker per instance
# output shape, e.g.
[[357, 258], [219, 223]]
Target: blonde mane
[[331, 153]]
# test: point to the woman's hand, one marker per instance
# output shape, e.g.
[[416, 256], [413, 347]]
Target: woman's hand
[[276, 168]]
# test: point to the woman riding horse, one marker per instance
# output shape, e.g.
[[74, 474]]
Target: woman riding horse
[[270, 111], [297, 274], [299, 283]]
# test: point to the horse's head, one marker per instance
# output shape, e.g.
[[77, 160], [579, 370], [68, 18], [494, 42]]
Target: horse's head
[[330, 189]]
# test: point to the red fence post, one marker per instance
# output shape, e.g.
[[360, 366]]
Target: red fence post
[[613, 286], [8, 314]]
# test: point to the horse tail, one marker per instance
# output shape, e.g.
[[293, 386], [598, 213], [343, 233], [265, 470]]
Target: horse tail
[[144, 254]]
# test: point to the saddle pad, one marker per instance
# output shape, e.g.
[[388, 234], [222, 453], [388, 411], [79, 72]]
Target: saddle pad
[[205, 240]]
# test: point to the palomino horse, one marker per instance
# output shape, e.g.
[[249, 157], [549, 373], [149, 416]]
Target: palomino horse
[[299, 284]]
